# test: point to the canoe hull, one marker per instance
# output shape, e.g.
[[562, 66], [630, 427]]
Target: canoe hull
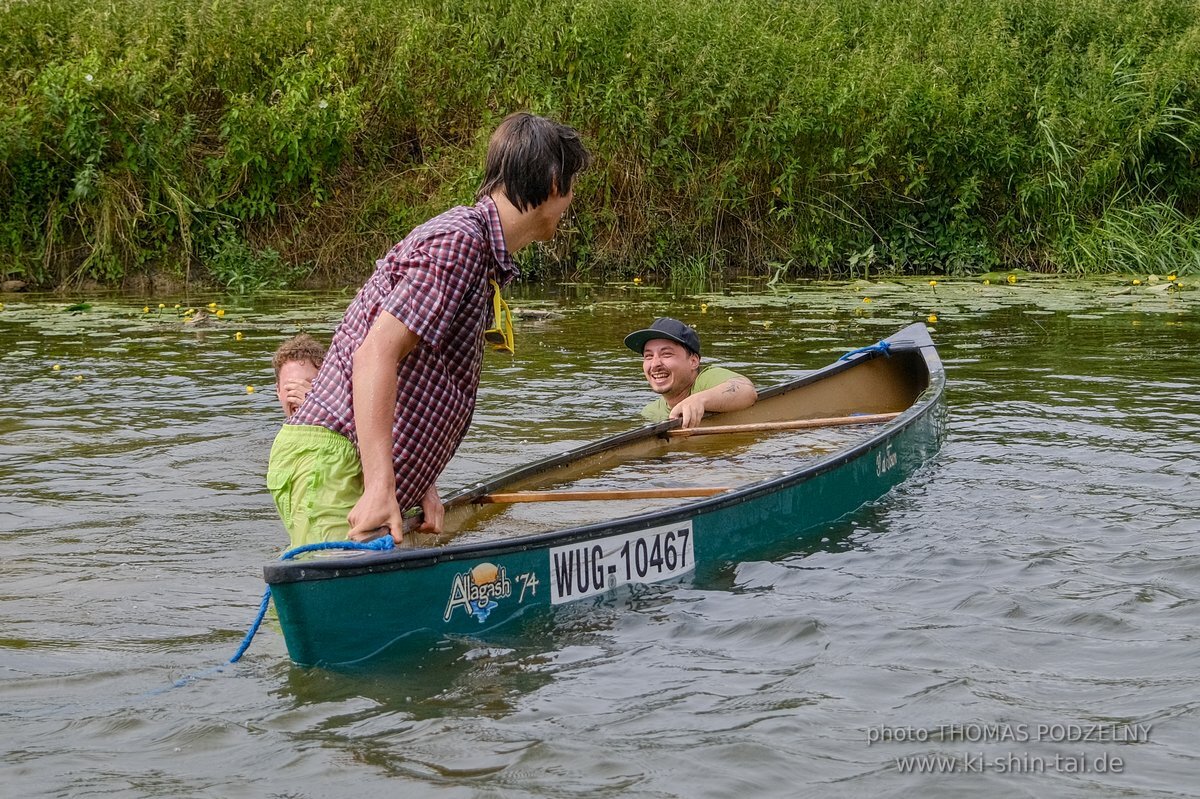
[[384, 605]]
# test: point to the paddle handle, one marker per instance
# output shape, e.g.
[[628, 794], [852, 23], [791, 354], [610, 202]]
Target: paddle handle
[[796, 424], [574, 496]]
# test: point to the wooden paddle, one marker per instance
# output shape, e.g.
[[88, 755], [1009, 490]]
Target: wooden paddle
[[574, 496], [797, 424]]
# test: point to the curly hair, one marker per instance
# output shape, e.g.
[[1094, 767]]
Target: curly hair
[[298, 348]]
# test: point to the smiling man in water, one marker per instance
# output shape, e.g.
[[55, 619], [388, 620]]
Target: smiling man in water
[[670, 353]]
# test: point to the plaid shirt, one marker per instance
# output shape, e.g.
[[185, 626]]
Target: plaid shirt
[[436, 283]]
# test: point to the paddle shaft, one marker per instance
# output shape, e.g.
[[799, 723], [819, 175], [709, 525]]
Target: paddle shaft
[[797, 424], [573, 496]]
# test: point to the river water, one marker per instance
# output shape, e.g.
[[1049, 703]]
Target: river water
[[1024, 611]]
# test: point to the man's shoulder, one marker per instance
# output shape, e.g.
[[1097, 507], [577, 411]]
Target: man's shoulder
[[450, 239], [714, 376], [461, 223]]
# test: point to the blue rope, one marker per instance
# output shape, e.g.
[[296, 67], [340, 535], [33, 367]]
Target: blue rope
[[379, 544], [262, 612], [881, 346]]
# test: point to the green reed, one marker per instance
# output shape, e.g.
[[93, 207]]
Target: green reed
[[939, 136]]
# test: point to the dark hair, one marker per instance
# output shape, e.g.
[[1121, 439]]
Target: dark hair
[[528, 156], [302, 347]]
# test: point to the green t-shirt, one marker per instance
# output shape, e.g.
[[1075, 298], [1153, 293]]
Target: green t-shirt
[[711, 377]]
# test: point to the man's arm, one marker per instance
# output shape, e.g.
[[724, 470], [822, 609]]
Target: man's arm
[[734, 394], [376, 363]]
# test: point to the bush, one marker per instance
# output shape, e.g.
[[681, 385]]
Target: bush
[[939, 136]]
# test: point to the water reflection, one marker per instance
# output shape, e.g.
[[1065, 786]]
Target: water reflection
[[1042, 568]]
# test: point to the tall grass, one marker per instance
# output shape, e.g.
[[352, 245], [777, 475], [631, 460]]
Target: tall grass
[[937, 135]]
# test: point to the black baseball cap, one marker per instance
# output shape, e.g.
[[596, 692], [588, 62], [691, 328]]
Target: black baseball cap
[[664, 327]]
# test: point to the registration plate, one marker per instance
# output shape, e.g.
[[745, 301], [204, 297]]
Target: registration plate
[[581, 570]]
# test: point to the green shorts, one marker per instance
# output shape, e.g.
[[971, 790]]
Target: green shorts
[[315, 477]]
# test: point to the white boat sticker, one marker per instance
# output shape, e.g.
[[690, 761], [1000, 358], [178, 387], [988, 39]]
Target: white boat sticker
[[885, 460], [477, 590], [581, 570]]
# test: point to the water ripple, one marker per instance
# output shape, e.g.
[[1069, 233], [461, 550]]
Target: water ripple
[[1043, 569]]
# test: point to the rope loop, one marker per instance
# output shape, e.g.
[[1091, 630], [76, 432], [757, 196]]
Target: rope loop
[[380, 544], [879, 346]]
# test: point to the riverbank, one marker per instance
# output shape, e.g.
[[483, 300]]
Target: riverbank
[[249, 146]]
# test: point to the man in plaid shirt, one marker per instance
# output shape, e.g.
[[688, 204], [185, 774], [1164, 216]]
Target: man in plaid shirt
[[395, 394]]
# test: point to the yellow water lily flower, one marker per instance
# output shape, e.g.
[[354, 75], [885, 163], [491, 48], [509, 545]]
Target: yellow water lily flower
[[238, 336], [703, 307], [78, 378], [146, 309], [1012, 278], [162, 305], [221, 313], [1137, 282], [249, 389], [178, 306], [866, 299], [987, 282], [933, 282], [637, 281], [57, 367], [189, 312], [212, 305], [1172, 277], [766, 324], [931, 319]]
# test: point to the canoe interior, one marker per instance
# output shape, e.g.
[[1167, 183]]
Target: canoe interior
[[873, 384]]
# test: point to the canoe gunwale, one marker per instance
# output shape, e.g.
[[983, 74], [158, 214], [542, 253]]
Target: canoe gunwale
[[917, 339]]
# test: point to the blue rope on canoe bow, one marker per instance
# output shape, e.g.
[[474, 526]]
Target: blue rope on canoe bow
[[379, 544], [880, 346]]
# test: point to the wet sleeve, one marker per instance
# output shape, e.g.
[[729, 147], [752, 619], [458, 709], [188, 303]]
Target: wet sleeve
[[714, 376]]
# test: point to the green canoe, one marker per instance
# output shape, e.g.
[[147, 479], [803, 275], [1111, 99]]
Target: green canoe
[[494, 569]]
